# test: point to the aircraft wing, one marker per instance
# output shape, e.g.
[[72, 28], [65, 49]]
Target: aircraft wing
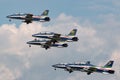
[[55, 38], [28, 18], [92, 69], [69, 69], [29, 15], [46, 45]]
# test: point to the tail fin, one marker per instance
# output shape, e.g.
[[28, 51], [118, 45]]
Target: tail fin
[[109, 64], [73, 32], [45, 13]]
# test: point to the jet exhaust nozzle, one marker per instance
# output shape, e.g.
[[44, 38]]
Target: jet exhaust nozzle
[[75, 39], [47, 19], [65, 45], [111, 71]]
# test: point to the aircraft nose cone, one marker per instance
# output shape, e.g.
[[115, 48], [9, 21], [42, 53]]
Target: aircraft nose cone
[[54, 66], [34, 35], [7, 16], [29, 42]]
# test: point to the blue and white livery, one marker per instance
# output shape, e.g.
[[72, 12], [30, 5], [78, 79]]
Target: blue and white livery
[[56, 37], [28, 17], [86, 67], [46, 44]]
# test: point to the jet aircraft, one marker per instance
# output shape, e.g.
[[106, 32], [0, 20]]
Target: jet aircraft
[[28, 17], [46, 44], [55, 37], [86, 67]]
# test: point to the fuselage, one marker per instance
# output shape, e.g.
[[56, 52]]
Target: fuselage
[[83, 67], [33, 18], [50, 35], [43, 42], [86, 68]]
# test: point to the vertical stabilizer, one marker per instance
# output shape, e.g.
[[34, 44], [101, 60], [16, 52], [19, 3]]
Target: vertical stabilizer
[[73, 32], [109, 64], [45, 13]]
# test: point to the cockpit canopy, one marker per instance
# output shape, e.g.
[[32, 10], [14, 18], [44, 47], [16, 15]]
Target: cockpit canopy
[[88, 62], [46, 33], [21, 14]]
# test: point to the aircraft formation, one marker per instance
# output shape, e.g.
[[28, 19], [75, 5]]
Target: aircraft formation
[[51, 39]]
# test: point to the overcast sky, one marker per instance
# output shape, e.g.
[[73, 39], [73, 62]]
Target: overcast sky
[[98, 24]]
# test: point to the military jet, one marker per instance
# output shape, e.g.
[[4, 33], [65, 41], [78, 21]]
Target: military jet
[[55, 37], [86, 67], [28, 17], [46, 44]]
